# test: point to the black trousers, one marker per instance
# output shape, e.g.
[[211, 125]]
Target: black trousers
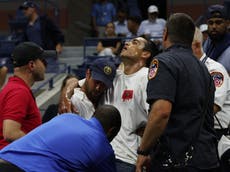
[[7, 167]]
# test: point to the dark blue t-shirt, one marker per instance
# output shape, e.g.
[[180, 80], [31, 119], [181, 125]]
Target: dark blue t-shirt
[[33, 32], [66, 143]]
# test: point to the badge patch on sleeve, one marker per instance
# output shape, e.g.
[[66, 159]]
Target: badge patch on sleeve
[[218, 78], [153, 69]]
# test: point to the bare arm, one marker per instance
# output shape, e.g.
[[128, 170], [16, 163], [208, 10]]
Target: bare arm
[[157, 122], [65, 95], [100, 47], [216, 108], [12, 130]]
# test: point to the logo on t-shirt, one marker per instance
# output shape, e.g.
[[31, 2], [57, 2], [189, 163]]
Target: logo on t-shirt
[[127, 95]]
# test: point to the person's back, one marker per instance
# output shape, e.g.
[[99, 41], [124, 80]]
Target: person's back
[[180, 92], [189, 100], [78, 145]]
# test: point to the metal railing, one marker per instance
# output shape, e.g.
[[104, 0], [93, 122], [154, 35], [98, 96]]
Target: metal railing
[[50, 81]]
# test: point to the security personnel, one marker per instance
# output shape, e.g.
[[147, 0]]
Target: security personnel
[[181, 94], [222, 84]]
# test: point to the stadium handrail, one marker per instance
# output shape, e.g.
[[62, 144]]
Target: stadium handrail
[[50, 81]]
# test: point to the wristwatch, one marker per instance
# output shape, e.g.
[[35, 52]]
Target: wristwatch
[[142, 152]]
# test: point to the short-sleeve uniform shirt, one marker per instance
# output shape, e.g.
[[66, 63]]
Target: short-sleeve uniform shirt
[[177, 76]]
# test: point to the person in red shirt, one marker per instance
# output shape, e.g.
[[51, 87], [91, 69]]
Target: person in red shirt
[[19, 113]]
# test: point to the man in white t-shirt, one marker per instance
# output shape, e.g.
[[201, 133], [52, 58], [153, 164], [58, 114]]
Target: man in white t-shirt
[[128, 94]]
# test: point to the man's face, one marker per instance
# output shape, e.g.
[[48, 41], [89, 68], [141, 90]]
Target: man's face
[[133, 48], [153, 16], [28, 12], [121, 16], [94, 88], [217, 27], [39, 70]]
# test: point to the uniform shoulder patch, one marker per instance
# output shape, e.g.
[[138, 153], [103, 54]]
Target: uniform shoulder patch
[[153, 69], [218, 78]]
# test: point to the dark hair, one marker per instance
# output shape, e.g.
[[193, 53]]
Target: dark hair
[[152, 48], [135, 19], [110, 118], [180, 29]]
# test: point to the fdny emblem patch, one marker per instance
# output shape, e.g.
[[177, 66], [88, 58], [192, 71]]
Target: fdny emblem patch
[[218, 78], [153, 69]]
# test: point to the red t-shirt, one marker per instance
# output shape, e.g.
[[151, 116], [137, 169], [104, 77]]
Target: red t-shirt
[[18, 103]]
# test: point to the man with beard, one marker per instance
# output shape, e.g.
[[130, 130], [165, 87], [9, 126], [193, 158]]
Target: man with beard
[[217, 44], [19, 113], [99, 77]]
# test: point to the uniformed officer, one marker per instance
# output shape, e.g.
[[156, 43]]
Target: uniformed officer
[[181, 94], [222, 84]]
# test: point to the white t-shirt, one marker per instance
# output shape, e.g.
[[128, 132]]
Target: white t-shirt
[[222, 93], [121, 28], [81, 102], [129, 96]]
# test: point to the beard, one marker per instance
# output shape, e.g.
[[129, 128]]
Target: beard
[[217, 36], [38, 76]]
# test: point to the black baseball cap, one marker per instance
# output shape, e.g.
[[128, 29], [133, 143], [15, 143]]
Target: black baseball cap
[[217, 11], [28, 4], [27, 51]]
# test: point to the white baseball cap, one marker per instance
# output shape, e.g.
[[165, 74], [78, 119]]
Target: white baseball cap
[[153, 9], [203, 27]]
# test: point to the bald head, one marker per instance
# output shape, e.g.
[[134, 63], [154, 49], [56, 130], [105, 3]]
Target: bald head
[[110, 119]]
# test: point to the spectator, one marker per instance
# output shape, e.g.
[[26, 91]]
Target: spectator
[[52, 110], [121, 28], [103, 12], [79, 144], [180, 92], [133, 26], [3, 74], [217, 45], [129, 94], [19, 113], [222, 94], [99, 77], [204, 30], [153, 26], [40, 29], [111, 44]]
